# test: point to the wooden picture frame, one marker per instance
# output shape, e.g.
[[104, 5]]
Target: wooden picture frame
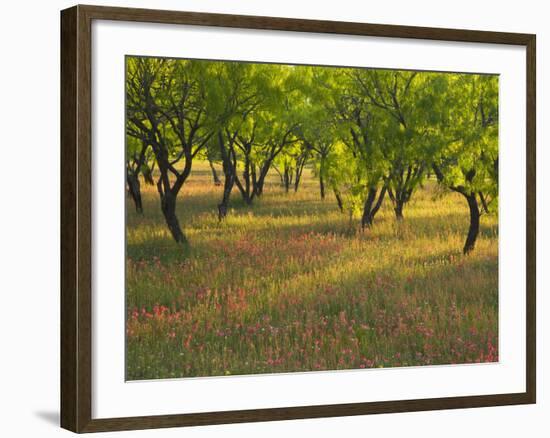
[[76, 218]]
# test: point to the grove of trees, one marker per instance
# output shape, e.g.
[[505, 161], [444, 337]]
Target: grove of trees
[[369, 135]]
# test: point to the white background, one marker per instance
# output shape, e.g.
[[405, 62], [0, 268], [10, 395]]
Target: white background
[[112, 397], [29, 231]]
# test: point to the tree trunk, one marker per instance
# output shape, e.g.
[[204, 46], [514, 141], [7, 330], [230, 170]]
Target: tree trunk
[[473, 230], [224, 204], [287, 179], [398, 199], [247, 197], [366, 219], [215, 176], [321, 185], [398, 210], [168, 206], [246, 190], [339, 200], [227, 188], [134, 191], [259, 185], [473, 206], [371, 207], [297, 179], [379, 202], [147, 172], [230, 172], [484, 205], [229, 182], [299, 171]]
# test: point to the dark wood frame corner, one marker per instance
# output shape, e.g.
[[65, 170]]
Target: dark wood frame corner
[[76, 172]]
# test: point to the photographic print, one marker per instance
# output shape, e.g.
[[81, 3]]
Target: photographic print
[[298, 218]]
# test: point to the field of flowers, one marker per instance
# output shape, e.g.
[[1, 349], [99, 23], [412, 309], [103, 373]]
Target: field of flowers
[[290, 284]]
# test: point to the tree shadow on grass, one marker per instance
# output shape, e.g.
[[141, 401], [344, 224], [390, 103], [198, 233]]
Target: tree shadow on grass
[[385, 229], [287, 215], [439, 279]]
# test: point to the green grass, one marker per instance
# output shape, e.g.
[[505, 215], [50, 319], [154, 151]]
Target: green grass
[[290, 284]]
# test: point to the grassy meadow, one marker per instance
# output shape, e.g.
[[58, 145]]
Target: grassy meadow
[[291, 284]]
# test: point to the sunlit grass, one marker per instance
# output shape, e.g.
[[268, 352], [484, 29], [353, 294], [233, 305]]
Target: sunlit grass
[[291, 284]]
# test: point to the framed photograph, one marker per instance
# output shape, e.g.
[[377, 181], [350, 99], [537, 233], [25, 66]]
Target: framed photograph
[[271, 218]]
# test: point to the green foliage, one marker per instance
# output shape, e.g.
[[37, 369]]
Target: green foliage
[[358, 129], [468, 161]]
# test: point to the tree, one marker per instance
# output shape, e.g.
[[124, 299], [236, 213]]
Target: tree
[[361, 131], [409, 101], [211, 154], [365, 133], [138, 161], [292, 161], [274, 126], [251, 108], [232, 99], [366, 150], [278, 133], [318, 135], [166, 109], [468, 163], [346, 176]]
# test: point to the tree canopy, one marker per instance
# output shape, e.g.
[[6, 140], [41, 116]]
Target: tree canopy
[[367, 134]]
